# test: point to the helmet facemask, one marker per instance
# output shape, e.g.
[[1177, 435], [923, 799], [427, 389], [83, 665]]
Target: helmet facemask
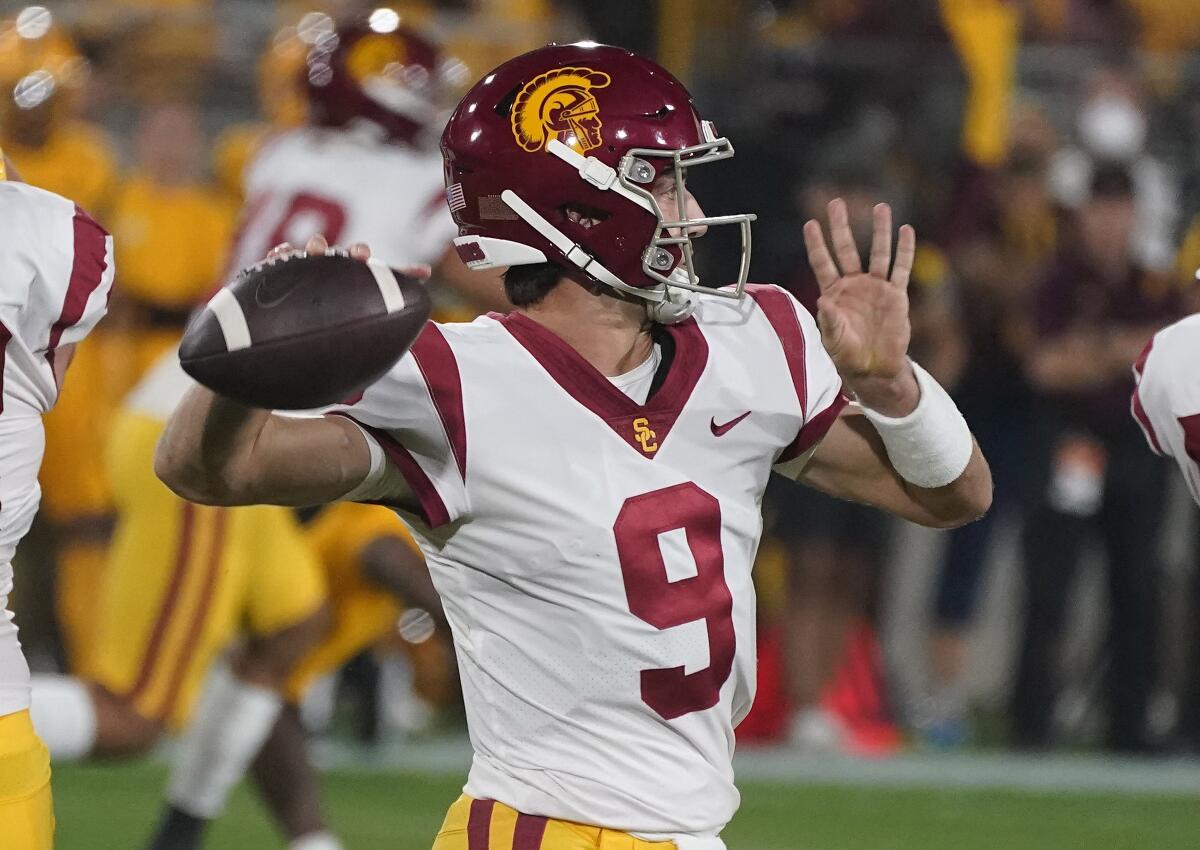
[[637, 174]]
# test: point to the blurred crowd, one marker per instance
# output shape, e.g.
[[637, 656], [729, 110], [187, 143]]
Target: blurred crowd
[[1047, 153]]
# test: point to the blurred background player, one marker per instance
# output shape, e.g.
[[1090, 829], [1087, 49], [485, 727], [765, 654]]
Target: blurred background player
[[56, 271], [365, 167], [42, 82], [186, 585]]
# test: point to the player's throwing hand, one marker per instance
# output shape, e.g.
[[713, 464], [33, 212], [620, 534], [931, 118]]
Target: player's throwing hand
[[864, 315]]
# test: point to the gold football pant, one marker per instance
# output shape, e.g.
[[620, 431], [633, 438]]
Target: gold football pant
[[488, 825], [26, 810]]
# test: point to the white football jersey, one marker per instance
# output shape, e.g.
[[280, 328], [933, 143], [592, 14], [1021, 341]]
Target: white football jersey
[[56, 269], [350, 187], [1166, 402], [594, 554]]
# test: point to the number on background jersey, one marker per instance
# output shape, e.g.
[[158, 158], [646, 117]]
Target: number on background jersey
[[319, 215], [665, 604]]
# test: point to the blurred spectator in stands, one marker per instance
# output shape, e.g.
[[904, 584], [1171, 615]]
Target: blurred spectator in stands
[[1112, 125], [42, 77], [172, 230], [1108, 22], [1093, 311], [999, 233], [158, 48], [834, 550]]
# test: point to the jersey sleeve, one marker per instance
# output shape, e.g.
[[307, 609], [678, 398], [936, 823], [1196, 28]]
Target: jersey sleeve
[[58, 273], [1166, 399], [83, 295], [815, 379], [415, 413]]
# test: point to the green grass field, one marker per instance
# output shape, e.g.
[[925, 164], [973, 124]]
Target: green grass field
[[113, 807]]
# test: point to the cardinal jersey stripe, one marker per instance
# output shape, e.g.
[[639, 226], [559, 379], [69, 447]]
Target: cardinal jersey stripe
[[154, 645], [480, 824], [529, 832], [778, 307], [438, 367], [5, 336], [433, 509], [87, 273], [814, 430], [200, 611]]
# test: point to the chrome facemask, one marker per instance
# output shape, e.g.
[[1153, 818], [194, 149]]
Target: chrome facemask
[[637, 174]]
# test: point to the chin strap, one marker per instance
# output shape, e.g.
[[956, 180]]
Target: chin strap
[[575, 254], [675, 307]]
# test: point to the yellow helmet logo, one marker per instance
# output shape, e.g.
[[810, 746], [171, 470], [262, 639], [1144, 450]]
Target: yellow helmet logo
[[559, 104], [374, 55]]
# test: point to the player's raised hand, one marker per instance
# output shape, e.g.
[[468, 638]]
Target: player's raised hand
[[864, 315]]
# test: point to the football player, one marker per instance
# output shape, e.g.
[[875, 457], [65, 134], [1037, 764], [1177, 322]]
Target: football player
[[585, 474], [42, 75], [56, 271], [365, 167], [1166, 403]]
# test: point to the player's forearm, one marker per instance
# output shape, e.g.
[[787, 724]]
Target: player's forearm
[[852, 463], [202, 453], [964, 500]]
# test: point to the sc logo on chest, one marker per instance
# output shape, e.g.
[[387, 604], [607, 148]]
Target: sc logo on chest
[[644, 434]]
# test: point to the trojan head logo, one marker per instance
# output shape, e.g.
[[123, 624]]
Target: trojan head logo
[[559, 104], [645, 436]]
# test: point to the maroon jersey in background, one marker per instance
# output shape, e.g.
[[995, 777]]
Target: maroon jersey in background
[[1072, 296]]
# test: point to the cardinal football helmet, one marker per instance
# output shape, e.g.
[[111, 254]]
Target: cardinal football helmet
[[377, 70], [584, 128]]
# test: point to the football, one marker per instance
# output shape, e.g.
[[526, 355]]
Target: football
[[301, 331]]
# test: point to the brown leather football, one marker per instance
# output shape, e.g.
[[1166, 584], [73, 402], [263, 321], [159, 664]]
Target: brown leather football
[[303, 332]]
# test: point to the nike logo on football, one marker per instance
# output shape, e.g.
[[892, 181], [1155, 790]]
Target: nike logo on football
[[722, 430]]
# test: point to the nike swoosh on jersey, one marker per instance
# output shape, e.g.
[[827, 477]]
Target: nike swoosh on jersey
[[721, 430]]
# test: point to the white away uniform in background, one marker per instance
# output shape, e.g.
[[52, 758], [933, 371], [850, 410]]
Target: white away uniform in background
[[594, 553], [56, 269], [350, 187], [1166, 402]]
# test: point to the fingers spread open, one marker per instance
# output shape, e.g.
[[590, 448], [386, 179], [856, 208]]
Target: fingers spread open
[[818, 255], [843, 238], [906, 252], [881, 241]]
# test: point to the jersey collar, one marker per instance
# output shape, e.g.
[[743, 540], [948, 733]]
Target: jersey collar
[[644, 427]]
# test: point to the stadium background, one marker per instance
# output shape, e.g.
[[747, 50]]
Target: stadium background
[[984, 121]]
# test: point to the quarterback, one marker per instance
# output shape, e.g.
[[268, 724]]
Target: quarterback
[[56, 271], [584, 474]]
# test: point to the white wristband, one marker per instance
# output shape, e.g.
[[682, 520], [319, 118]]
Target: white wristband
[[931, 446]]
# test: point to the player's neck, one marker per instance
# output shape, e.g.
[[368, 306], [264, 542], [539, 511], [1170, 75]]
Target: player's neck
[[611, 334]]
